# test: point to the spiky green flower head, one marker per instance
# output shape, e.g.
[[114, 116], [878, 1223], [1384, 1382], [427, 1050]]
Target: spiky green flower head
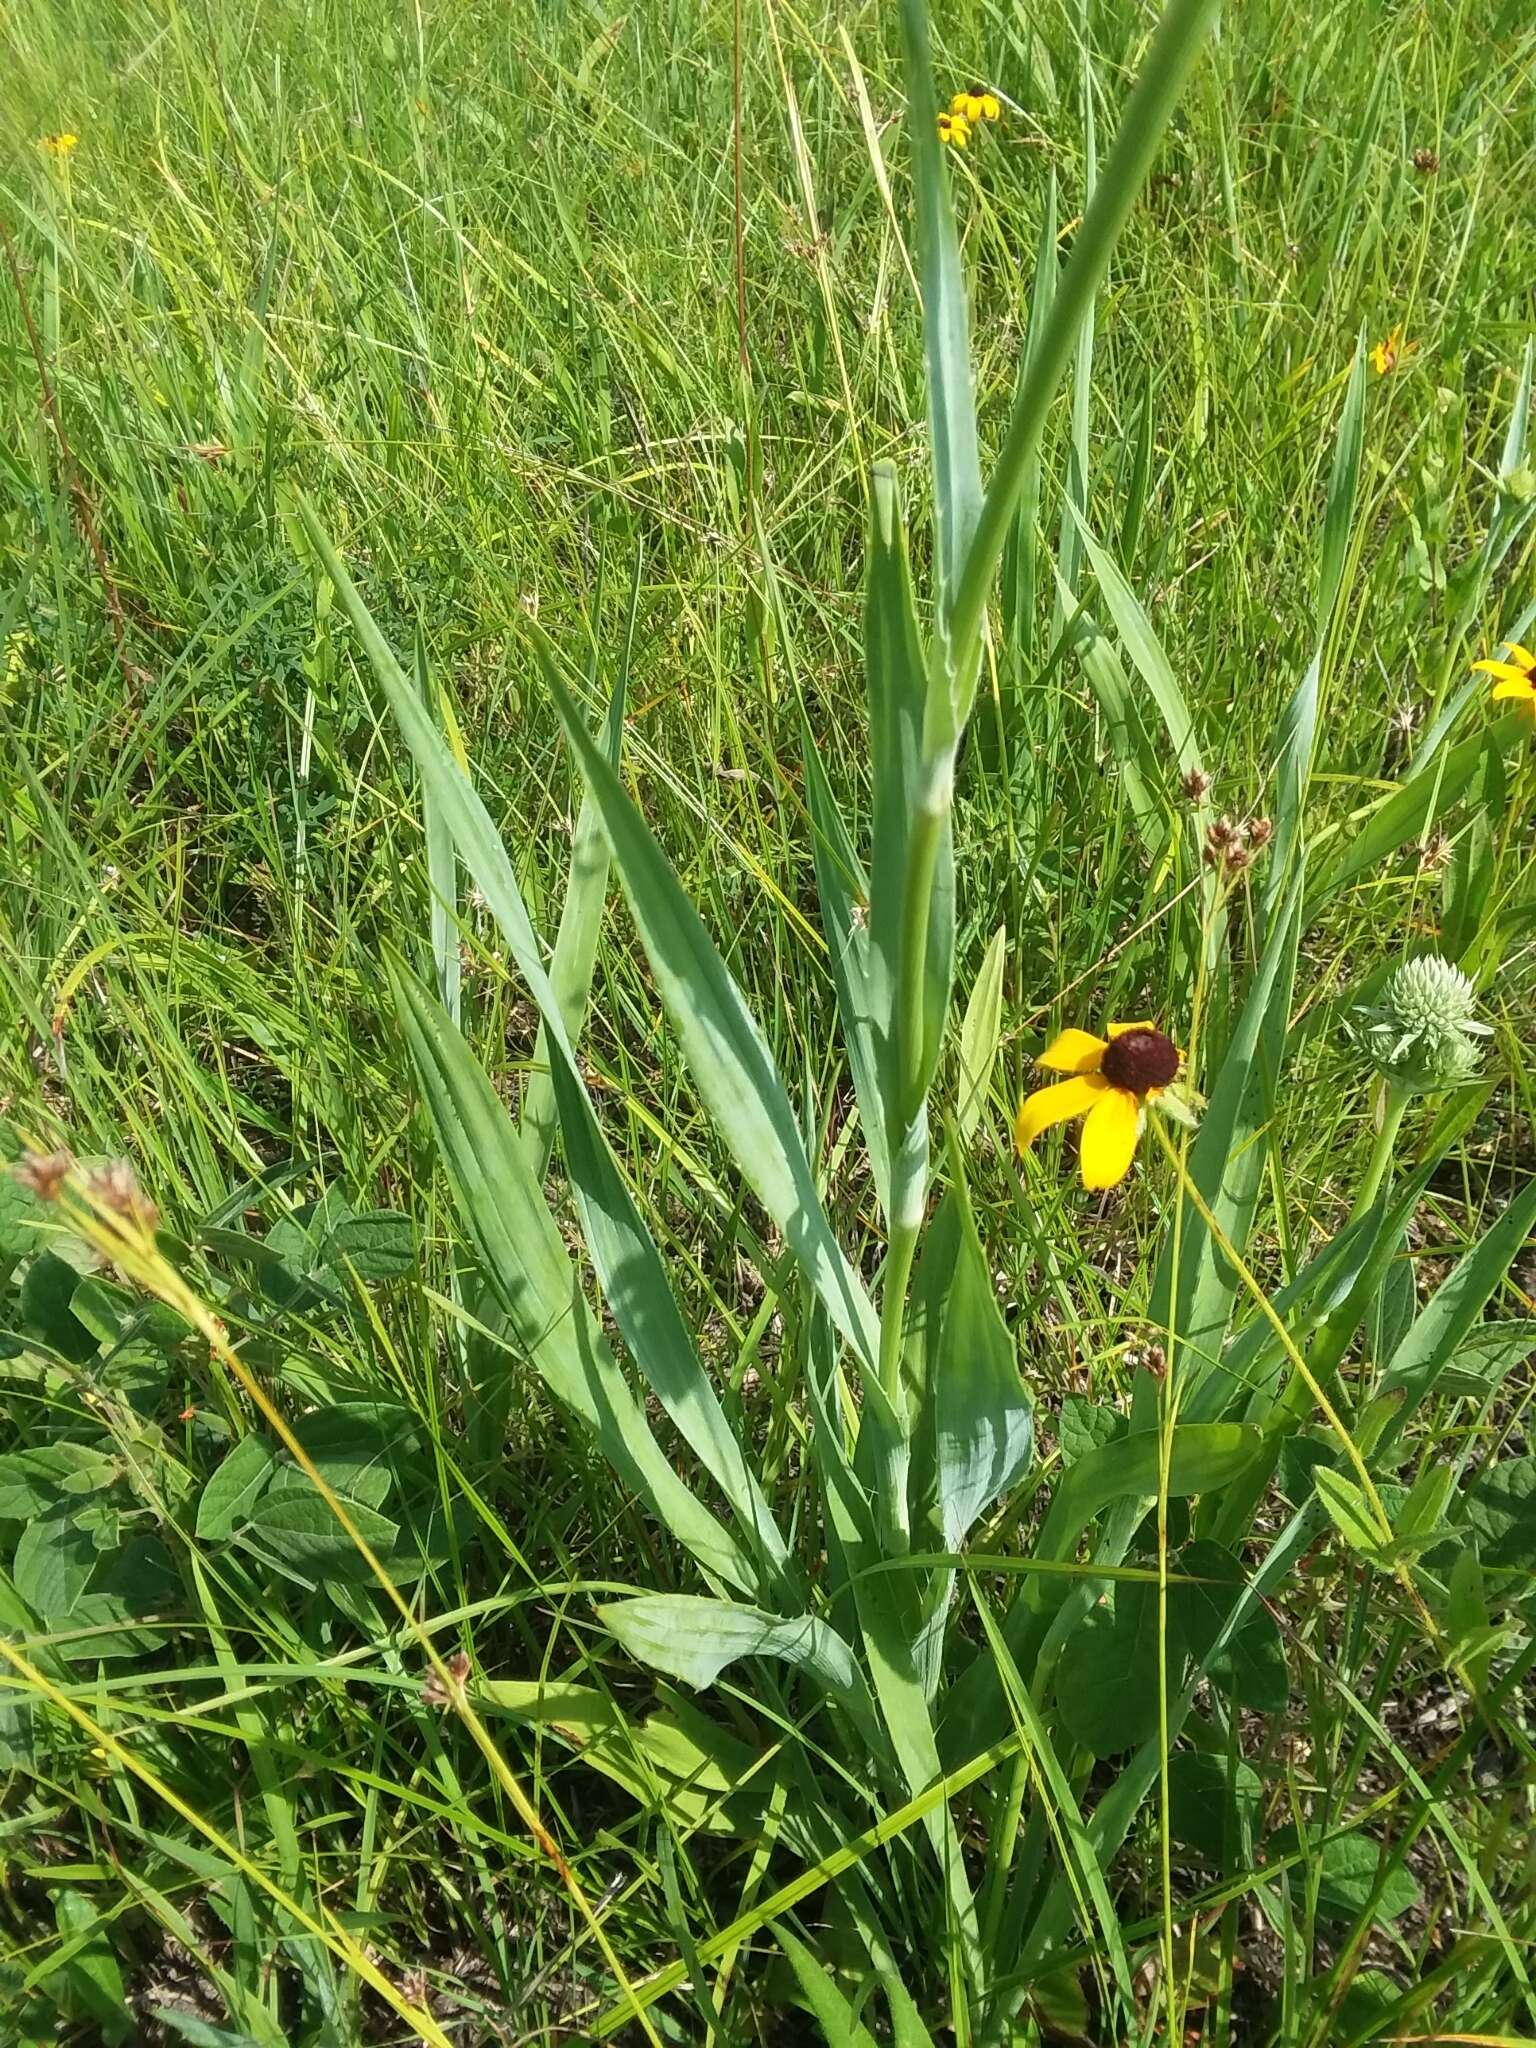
[[1422, 1031]]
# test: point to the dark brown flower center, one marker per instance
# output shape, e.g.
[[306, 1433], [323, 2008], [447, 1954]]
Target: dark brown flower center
[[1140, 1060]]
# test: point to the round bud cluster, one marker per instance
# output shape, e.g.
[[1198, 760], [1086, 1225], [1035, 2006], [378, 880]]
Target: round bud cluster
[[1423, 1032]]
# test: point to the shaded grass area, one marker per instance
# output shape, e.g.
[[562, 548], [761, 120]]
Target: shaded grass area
[[472, 281]]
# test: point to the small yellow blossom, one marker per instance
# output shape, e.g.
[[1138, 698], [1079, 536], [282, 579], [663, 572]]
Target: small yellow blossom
[[57, 146], [976, 104], [1386, 355], [954, 130], [1515, 676], [1112, 1080]]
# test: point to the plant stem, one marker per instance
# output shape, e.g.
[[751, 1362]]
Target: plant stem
[[1174, 49], [1394, 1103]]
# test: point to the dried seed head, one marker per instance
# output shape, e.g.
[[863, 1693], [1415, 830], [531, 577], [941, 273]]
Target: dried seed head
[[1426, 162], [434, 1692], [1434, 853], [1260, 833], [44, 1173], [115, 1187], [1151, 1358], [1195, 784], [1238, 857], [1223, 840]]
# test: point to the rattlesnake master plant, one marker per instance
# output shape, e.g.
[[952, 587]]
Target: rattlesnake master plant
[[1423, 1032]]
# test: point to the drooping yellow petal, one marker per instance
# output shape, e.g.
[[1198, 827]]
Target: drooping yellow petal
[[1054, 1105], [960, 104], [1519, 653], [1510, 671], [1513, 686], [1109, 1138], [1073, 1052], [991, 106], [1141, 1024]]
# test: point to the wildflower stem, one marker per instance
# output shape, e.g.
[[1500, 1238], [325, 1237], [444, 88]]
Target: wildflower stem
[[1174, 49], [1394, 1103]]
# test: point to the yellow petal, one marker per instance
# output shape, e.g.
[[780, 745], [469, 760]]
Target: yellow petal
[[1521, 686], [1054, 1105], [1141, 1024], [1511, 671], [1109, 1138], [1521, 654], [991, 106], [1073, 1052], [959, 103]]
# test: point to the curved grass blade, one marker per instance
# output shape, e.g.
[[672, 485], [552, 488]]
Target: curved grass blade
[[524, 1257], [727, 1055]]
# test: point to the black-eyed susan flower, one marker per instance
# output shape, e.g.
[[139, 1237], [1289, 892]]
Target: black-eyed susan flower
[[954, 130], [1111, 1081], [1388, 354], [1515, 676], [57, 146], [975, 104]]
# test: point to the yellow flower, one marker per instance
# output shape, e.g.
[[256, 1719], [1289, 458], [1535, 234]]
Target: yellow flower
[[1112, 1081], [1516, 676], [1386, 355], [57, 146], [976, 104], [955, 130]]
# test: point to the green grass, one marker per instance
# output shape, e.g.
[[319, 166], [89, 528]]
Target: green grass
[[470, 281]]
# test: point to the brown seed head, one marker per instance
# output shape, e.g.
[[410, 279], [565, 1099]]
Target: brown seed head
[[1140, 1060], [44, 1173], [1426, 162], [1195, 784], [115, 1187], [1260, 833]]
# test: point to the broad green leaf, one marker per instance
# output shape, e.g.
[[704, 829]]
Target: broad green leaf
[[528, 1264], [1344, 1868], [833, 2013], [1350, 1512], [296, 1524], [1501, 1507], [1020, 579], [231, 1493], [1493, 1349], [85, 1961], [1107, 1676], [727, 1055], [32, 1482], [1084, 1424], [980, 1030], [1251, 1661], [694, 1639], [1204, 1456], [378, 1244], [676, 1761], [1207, 1812], [55, 1556], [983, 1422], [46, 1293]]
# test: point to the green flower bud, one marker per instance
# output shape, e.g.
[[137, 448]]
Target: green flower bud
[[1422, 1032]]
